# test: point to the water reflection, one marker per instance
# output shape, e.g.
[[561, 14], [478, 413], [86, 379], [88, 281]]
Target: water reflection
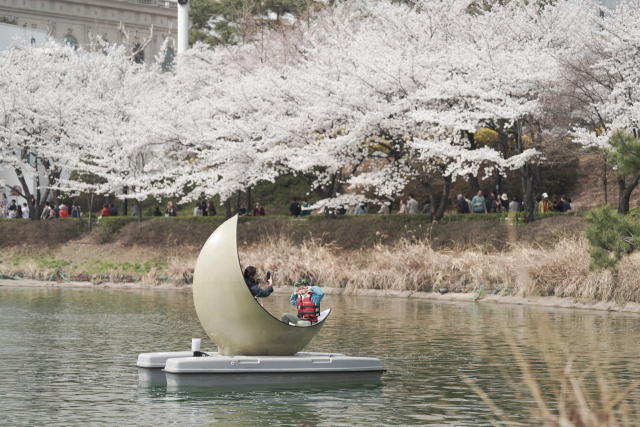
[[67, 359]]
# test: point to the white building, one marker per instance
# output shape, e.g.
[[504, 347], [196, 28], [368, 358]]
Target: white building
[[74, 20], [9, 32]]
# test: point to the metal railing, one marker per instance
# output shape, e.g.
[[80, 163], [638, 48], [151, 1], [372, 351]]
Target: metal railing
[[158, 3]]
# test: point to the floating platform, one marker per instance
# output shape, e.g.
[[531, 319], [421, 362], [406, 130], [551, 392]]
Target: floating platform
[[180, 369]]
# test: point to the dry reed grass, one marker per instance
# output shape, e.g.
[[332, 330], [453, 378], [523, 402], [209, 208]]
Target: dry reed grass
[[411, 264], [416, 266], [564, 391]]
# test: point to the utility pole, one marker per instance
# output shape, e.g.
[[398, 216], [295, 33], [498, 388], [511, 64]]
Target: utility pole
[[183, 26], [124, 201]]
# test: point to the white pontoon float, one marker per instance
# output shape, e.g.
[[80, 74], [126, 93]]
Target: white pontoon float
[[253, 346]]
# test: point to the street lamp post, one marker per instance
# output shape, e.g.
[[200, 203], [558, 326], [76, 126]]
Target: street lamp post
[[183, 26]]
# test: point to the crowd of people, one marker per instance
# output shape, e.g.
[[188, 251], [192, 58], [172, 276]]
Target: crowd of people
[[13, 210], [497, 203]]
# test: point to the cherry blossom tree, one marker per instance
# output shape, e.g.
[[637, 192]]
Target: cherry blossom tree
[[39, 112]]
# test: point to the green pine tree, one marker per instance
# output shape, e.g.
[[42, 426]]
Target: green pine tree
[[611, 236], [235, 21], [625, 159]]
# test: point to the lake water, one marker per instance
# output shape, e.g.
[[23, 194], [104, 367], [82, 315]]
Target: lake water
[[67, 358]]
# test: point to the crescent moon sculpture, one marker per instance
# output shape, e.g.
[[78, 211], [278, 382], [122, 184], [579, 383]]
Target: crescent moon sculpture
[[228, 312]]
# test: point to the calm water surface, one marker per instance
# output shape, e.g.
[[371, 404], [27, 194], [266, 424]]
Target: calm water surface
[[67, 356]]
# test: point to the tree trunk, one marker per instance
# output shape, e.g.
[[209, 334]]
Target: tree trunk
[[432, 198], [527, 175], [227, 208], [498, 183], [90, 202], [625, 193], [139, 203], [237, 202], [537, 180], [475, 185], [247, 198], [604, 177], [124, 201], [25, 190], [439, 213], [42, 200]]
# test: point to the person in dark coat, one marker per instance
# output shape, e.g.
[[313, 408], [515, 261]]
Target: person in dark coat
[[112, 210], [157, 212], [490, 202], [252, 283], [294, 208], [463, 206], [211, 210], [566, 206]]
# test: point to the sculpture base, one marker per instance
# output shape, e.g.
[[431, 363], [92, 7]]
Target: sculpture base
[[216, 370]]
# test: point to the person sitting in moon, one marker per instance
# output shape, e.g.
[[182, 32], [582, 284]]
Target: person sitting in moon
[[307, 299], [253, 283]]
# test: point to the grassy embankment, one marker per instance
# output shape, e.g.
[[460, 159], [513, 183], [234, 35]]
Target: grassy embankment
[[547, 257]]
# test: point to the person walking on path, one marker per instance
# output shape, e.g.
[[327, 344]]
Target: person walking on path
[[403, 207], [463, 206], [4, 204], [25, 211], [170, 211], [258, 211], [156, 212], [496, 207], [412, 205], [466, 199], [105, 211], [305, 210], [64, 214], [294, 208], [545, 204], [33, 203], [384, 209], [426, 209], [75, 213], [242, 211], [514, 206], [566, 206], [490, 202], [478, 203], [211, 210], [505, 202], [46, 211], [361, 209]]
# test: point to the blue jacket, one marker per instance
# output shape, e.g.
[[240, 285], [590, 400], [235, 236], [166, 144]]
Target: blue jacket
[[316, 296]]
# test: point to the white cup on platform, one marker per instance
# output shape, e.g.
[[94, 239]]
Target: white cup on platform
[[195, 344]]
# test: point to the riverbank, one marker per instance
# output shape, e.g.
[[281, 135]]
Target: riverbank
[[548, 258], [554, 302]]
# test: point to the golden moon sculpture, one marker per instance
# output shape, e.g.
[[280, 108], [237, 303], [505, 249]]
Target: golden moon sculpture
[[229, 314]]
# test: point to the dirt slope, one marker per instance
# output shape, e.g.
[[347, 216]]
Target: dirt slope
[[589, 189]]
